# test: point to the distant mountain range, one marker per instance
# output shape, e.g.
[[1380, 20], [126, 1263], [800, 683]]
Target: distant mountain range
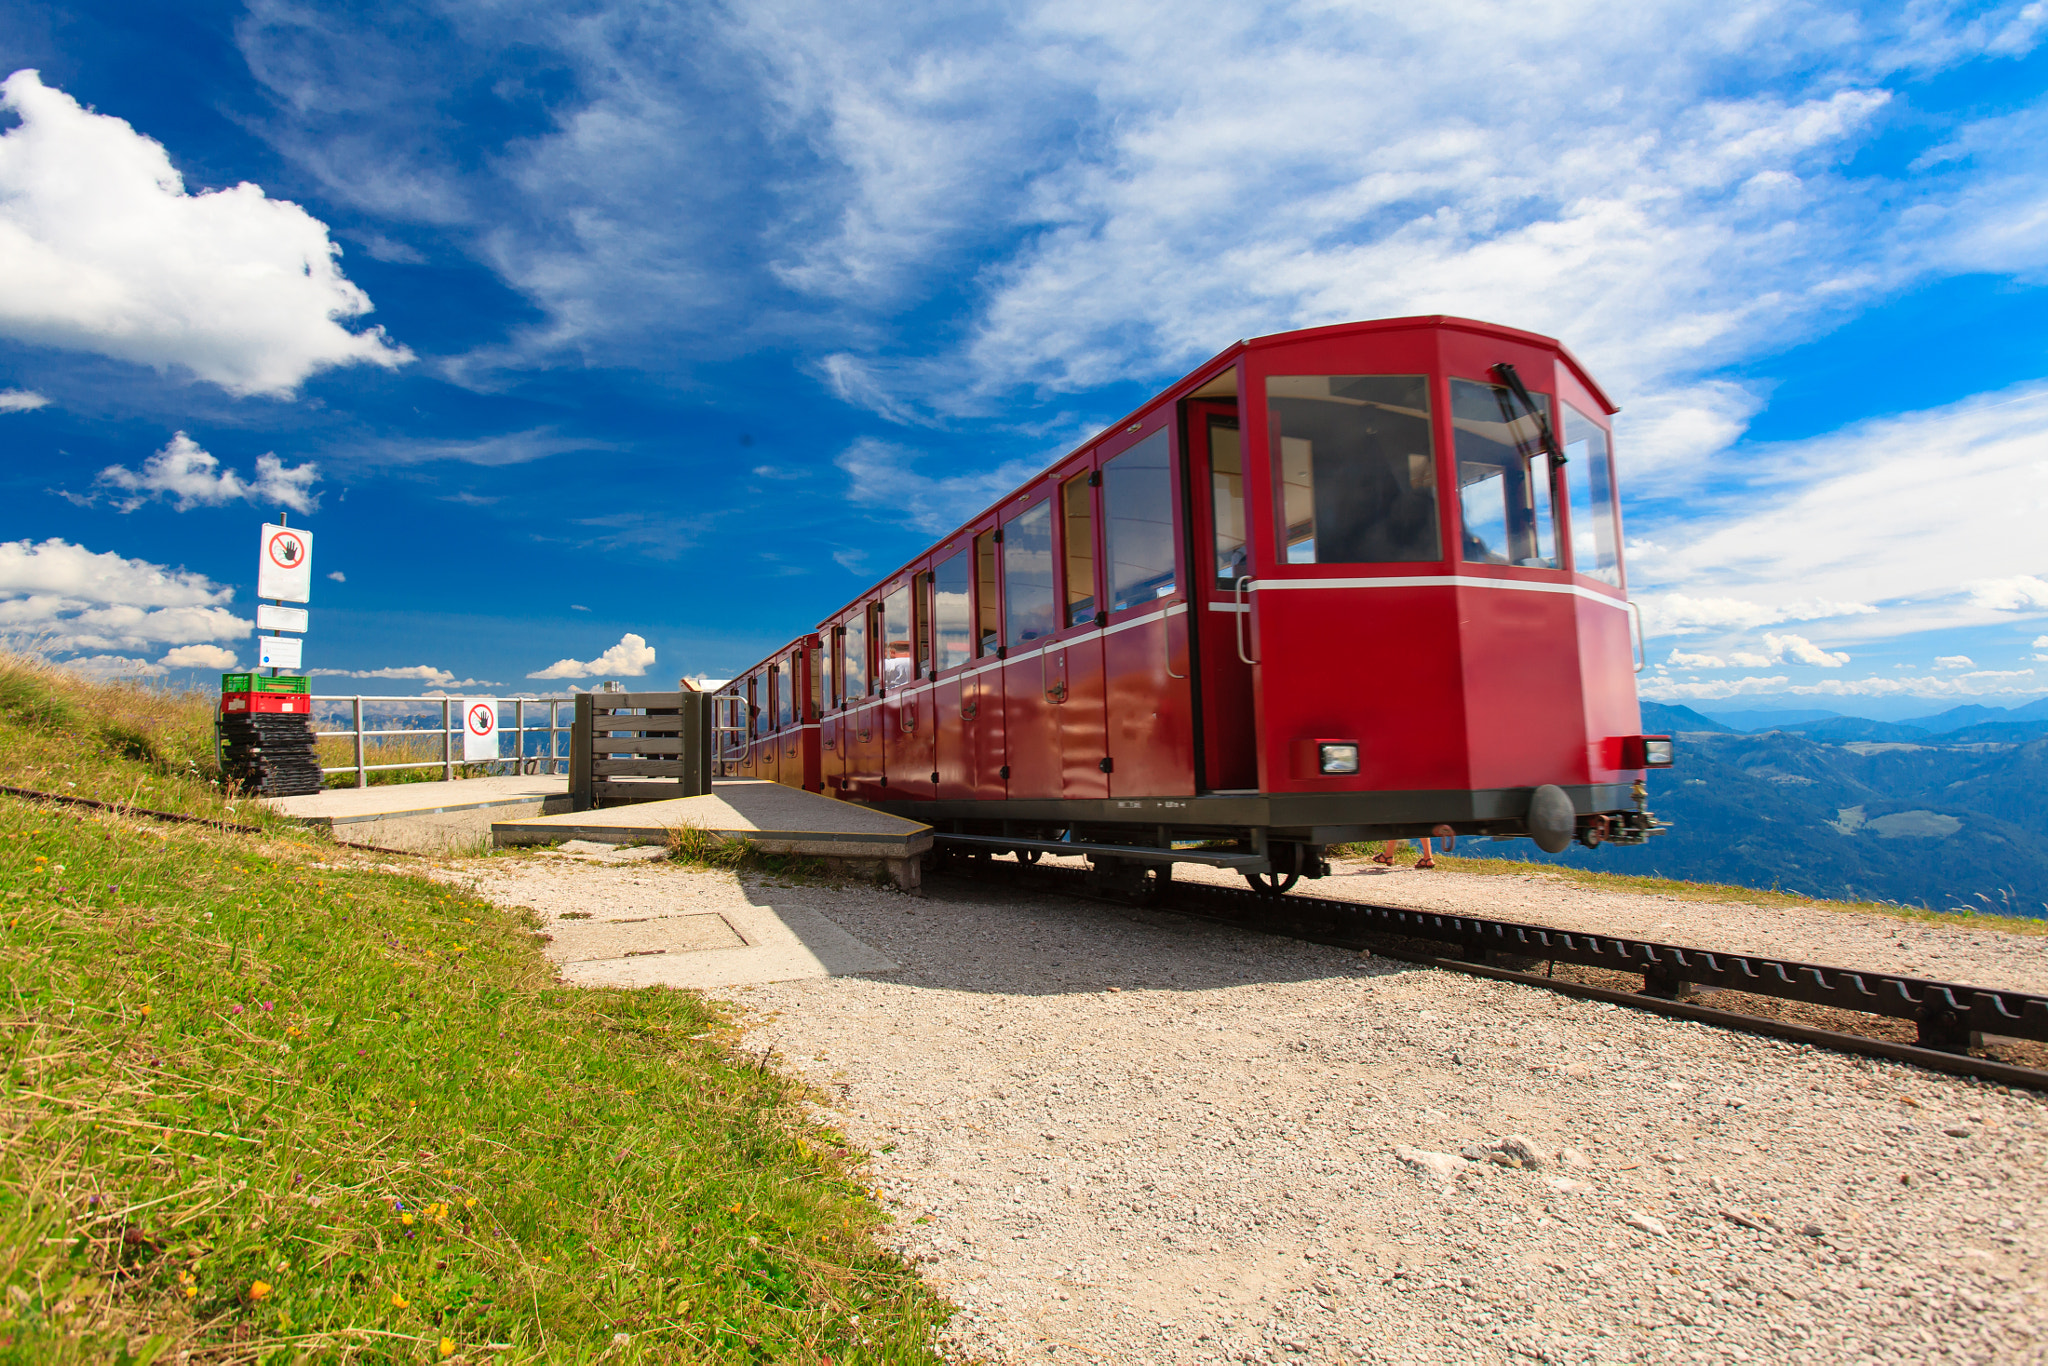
[[1842, 807]]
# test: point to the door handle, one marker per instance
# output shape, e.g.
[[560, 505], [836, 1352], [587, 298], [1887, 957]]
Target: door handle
[[1642, 650], [1243, 614]]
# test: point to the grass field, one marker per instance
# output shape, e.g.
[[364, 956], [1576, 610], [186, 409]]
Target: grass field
[[262, 1103]]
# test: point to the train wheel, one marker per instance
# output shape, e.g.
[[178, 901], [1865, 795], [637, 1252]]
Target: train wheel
[[1273, 884], [1030, 856]]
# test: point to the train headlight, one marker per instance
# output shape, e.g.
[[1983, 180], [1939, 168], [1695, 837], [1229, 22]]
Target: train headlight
[[1337, 758], [1656, 751]]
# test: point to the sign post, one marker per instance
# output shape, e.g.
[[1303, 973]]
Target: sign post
[[480, 730], [284, 573]]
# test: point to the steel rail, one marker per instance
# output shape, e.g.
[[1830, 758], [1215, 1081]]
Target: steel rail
[[1947, 1013]]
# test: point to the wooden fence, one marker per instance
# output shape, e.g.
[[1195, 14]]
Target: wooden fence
[[639, 747]]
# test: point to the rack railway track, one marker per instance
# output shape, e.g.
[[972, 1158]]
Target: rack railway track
[[1946, 1015]]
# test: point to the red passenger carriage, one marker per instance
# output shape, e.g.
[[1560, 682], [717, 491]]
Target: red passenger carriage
[[1354, 582]]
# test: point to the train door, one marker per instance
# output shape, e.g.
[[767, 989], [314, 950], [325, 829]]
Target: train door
[[1219, 600], [773, 686], [832, 728], [981, 691], [1030, 617], [1074, 662], [953, 649]]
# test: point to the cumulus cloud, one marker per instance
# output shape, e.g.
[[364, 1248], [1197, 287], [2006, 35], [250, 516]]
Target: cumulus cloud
[[60, 597], [1682, 613], [199, 657], [1954, 662], [21, 401], [630, 658], [884, 476], [338, 576], [1778, 649], [103, 250], [2019, 593], [192, 477], [113, 666], [411, 673]]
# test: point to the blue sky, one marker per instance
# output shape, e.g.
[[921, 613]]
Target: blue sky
[[594, 339]]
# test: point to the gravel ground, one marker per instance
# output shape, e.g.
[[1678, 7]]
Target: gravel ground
[[1123, 1136]]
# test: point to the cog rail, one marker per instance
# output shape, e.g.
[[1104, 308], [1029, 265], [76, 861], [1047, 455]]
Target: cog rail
[[1947, 1014]]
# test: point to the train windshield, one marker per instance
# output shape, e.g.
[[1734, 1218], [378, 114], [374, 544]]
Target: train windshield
[[1596, 550], [1504, 477], [1356, 468]]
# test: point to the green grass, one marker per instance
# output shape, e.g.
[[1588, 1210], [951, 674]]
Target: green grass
[[261, 1102], [1698, 891]]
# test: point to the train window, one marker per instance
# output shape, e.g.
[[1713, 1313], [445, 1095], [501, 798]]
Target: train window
[[1077, 512], [988, 626], [785, 694], [1137, 523], [1504, 478], [817, 683], [853, 657], [921, 616], [1356, 468], [896, 646], [1027, 577], [952, 610], [754, 727], [1226, 500], [1595, 548]]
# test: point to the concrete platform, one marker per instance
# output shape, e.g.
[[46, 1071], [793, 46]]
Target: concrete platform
[[430, 818], [775, 818]]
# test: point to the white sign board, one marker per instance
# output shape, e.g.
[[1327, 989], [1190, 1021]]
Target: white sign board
[[284, 565], [479, 730], [269, 618], [278, 652]]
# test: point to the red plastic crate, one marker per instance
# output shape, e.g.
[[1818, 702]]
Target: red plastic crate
[[264, 702]]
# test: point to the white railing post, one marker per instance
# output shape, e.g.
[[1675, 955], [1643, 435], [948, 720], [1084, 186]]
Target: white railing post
[[447, 744], [362, 774]]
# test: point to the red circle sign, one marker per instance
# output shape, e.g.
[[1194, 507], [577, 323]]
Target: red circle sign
[[482, 720], [286, 550]]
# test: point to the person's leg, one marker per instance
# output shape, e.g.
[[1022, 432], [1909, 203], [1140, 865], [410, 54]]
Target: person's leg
[[1425, 861], [1386, 855]]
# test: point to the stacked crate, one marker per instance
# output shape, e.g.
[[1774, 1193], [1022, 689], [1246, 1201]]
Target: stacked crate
[[266, 735]]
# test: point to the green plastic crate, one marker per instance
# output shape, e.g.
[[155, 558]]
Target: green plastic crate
[[289, 683]]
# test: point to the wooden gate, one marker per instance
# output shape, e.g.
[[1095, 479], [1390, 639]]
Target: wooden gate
[[639, 747]]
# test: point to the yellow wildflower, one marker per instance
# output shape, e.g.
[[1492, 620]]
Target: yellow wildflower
[[447, 1347], [260, 1290], [399, 1301], [469, 1202], [406, 1218], [145, 1012]]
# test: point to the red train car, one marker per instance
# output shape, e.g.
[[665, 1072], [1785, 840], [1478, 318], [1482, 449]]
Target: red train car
[[768, 725], [1353, 582]]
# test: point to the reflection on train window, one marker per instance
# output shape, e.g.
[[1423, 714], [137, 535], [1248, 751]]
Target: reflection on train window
[[1595, 547], [1077, 513], [921, 618], [755, 725], [1027, 577], [853, 657], [817, 683], [1504, 478], [988, 626], [785, 694], [1357, 475], [1137, 523], [895, 649], [951, 610], [1226, 501]]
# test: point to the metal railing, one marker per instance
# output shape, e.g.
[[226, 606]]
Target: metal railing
[[450, 733]]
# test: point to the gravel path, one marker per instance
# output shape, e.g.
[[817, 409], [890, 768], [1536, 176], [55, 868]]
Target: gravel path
[[1116, 1136]]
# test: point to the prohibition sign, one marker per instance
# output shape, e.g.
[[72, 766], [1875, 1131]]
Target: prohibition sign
[[483, 719], [287, 551]]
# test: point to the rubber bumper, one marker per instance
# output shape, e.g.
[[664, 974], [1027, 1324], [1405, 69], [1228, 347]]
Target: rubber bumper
[[1552, 820]]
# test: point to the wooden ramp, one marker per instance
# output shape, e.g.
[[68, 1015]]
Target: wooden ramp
[[775, 818]]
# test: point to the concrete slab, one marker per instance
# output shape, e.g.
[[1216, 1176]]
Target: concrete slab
[[397, 801], [777, 819], [706, 951]]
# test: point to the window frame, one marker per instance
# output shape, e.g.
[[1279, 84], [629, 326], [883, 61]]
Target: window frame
[[960, 547], [1560, 511], [1134, 435], [1043, 492], [1088, 480]]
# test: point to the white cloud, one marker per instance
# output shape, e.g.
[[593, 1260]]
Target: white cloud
[[1680, 659], [102, 250], [199, 657], [883, 476], [630, 658], [1666, 689], [194, 478], [1954, 662], [113, 666], [1982, 683], [852, 561], [2019, 593], [338, 576], [1778, 649], [21, 401], [1932, 516], [410, 673], [60, 597], [1682, 613]]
